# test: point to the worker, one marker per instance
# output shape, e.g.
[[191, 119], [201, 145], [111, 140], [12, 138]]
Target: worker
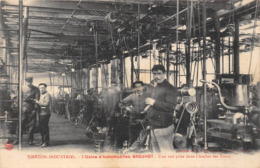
[[135, 104], [44, 114], [160, 114], [30, 94]]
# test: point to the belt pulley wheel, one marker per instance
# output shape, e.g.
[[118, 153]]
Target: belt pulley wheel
[[192, 107]]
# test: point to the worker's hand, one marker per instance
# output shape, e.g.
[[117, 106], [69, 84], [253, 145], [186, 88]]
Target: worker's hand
[[129, 109], [149, 101], [178, 107], [36, 101]]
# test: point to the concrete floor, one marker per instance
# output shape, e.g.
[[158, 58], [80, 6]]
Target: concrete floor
[[64, 135]]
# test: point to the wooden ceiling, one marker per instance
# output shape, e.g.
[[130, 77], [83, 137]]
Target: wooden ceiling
[[59, 30]]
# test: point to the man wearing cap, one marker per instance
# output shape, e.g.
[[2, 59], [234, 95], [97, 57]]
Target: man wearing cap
[[30, 93], [44, 115]]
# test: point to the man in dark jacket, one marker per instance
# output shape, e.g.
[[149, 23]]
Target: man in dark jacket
[[160, 115], [30, 94]]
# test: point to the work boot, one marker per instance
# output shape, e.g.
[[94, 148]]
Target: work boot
[[44, 145], [40, 144]]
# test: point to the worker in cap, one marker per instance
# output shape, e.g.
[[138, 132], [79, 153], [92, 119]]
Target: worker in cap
[[44, 114], [29, 79], [30, 94]]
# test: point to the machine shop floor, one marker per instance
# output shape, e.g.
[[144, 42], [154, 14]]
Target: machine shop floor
[[64, 135]]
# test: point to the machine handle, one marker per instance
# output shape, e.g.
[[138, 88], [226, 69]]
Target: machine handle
[[221, 99]]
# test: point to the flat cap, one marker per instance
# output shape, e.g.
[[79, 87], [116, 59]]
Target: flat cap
[[29, 79], [44, 84]]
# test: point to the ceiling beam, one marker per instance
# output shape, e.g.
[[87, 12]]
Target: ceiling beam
[[67, 16], [67, 5], [58, 20], [103, 6], [54, 51], [36, 55], [39, 56], [150, 2]]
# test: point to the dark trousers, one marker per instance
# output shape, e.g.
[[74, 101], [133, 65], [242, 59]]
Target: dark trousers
[[134, 130], [44, 128], [29, 119]]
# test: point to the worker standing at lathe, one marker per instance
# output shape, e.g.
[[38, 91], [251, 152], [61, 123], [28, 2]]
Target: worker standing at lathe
[[135, 103], [30, 93]]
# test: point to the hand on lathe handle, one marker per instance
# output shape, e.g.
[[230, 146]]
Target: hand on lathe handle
[[146, 109], [36, 101]]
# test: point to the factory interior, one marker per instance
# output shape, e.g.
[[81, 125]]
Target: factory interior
[[89, 53]]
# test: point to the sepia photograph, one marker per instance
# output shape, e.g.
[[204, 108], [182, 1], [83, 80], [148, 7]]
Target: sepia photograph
[[129, 83]]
